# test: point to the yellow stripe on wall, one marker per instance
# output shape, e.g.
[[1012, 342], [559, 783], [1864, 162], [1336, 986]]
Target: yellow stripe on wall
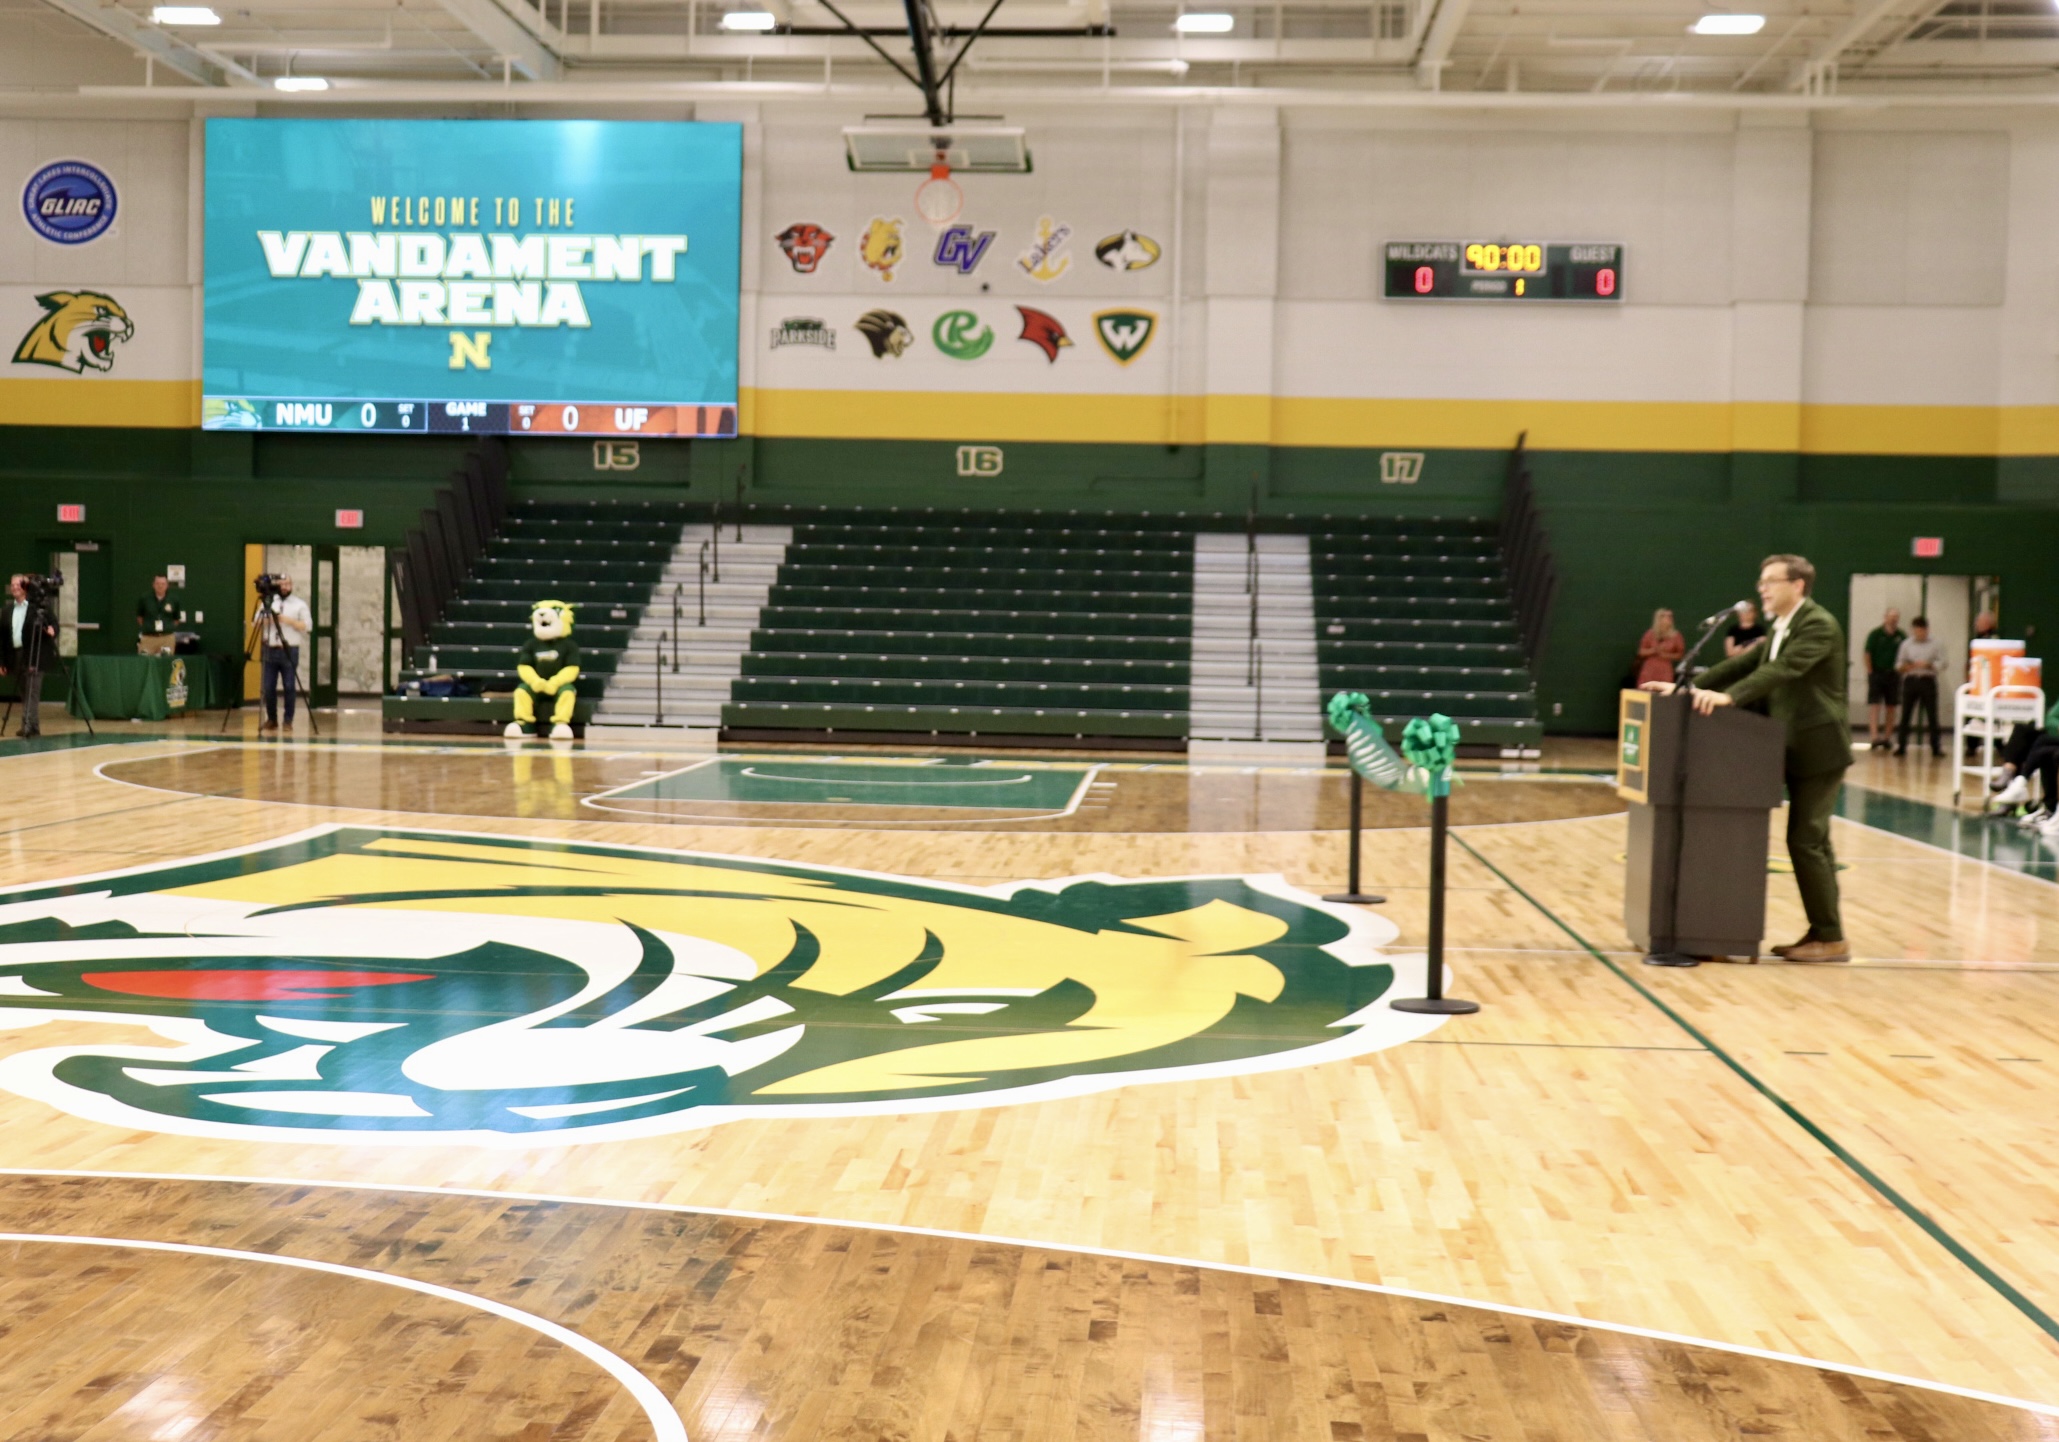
[[1370, 424], [1373, 424], [34, 401]]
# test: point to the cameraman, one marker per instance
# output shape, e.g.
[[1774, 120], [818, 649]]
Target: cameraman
[[283, 622], [27, 642]]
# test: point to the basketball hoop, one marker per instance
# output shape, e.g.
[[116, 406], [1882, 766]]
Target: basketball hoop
[[938, 199]]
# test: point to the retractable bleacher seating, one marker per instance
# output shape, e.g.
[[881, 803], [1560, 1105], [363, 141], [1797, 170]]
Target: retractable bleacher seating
[[993, 624], [1415, 613], [602, 556]]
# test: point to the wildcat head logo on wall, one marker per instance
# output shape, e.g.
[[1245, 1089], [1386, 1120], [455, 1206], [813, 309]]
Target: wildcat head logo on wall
[[358, 985], [79, 330], [805, 245], [880, 246]]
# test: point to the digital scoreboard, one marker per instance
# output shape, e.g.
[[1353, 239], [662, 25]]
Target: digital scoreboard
[[499, 277], [1502, 270]]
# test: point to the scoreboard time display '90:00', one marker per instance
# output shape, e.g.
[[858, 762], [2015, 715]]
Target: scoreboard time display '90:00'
[[1503, 270]]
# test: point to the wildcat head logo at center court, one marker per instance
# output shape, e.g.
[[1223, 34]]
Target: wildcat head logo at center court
[[359, 985], [79, 330]]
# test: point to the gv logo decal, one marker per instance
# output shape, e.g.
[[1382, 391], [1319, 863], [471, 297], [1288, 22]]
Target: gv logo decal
[[960, 248]]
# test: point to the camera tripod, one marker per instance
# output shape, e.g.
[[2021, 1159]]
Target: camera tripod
[[38, 616], [264, 631]]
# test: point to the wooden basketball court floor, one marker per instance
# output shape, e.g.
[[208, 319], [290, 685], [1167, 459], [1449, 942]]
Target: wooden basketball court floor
[[529, 1145]]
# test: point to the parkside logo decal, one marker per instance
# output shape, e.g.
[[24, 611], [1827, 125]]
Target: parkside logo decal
[[468, 277], [364, 985]]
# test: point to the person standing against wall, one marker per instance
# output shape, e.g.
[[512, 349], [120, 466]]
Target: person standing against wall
[[1799, 673], [1883, 678], [1747, 633], [1917, 658], [1660, 649]]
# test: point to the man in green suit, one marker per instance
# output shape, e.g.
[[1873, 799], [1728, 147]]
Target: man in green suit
[[1798, 674]]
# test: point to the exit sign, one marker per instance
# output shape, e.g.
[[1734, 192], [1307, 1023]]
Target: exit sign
[[71, 513], [350, 520], [1927, 548]]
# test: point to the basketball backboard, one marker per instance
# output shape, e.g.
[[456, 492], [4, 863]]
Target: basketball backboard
[[911, 146]]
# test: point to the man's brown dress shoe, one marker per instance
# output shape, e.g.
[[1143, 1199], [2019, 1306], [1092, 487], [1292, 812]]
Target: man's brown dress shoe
[[1791, 946], [1820, 951]]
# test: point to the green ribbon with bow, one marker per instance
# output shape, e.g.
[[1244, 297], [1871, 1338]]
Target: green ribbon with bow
[[1431, 744]]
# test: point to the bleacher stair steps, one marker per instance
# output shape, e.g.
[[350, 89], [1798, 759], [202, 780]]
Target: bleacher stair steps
[[709, 656], [1273, 696]]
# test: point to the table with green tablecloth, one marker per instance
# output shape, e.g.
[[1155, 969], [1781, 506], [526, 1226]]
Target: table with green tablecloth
[[151, 688]]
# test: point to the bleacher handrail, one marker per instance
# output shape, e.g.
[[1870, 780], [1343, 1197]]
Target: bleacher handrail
[[1526, 551]]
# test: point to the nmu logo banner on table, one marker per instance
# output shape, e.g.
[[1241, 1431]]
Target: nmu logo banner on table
[[478, 275]]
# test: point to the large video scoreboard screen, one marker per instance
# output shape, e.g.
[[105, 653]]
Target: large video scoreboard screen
[[548, 277]]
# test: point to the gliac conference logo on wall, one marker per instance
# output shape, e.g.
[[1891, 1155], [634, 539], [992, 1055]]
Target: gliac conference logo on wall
[[69, 202], [359, 985]]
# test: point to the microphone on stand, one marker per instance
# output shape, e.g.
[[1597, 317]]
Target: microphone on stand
[[1727, 612]]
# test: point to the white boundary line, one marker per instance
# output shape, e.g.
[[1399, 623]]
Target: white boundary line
[[1114, 1254], [1079, 794], [664, 1419]]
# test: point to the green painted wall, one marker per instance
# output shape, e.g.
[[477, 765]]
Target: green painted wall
[[1630, 531]]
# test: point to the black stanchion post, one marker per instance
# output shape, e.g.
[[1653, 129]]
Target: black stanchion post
[[1437, 1003], [1352, 891]]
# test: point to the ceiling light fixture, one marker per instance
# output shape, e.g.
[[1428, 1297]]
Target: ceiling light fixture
[[1206, 22], [184, 15], [300, 82], [757, 20], [1722, 24]]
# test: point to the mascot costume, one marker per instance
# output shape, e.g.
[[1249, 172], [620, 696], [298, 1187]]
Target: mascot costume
[[547, 666]]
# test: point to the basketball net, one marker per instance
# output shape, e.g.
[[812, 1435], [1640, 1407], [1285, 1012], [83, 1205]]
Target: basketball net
[[938, 199]]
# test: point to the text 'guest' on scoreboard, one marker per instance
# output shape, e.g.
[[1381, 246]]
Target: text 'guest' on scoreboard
[[559, 277], [1503, 270]]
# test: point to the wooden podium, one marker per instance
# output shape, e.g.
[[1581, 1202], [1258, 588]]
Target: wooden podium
[[1699, 788]]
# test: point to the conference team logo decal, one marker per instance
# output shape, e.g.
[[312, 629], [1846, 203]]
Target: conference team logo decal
[[1043, 331], [1126, 250], [79, 331], [886, 332], [805, 245], [962, 335], [880, 246], [1046, 260], [961, 248], [804, 330], [356, 985], [1125, 333]]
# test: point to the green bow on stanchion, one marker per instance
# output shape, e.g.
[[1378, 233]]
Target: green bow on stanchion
[[1431, 745], [1351, 713]]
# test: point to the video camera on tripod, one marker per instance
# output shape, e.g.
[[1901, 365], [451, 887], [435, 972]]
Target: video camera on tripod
[[41, 591], [266, 586]]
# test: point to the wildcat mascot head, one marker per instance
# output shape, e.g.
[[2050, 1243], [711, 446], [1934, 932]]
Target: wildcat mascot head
[[79, 329], [359, 984]]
